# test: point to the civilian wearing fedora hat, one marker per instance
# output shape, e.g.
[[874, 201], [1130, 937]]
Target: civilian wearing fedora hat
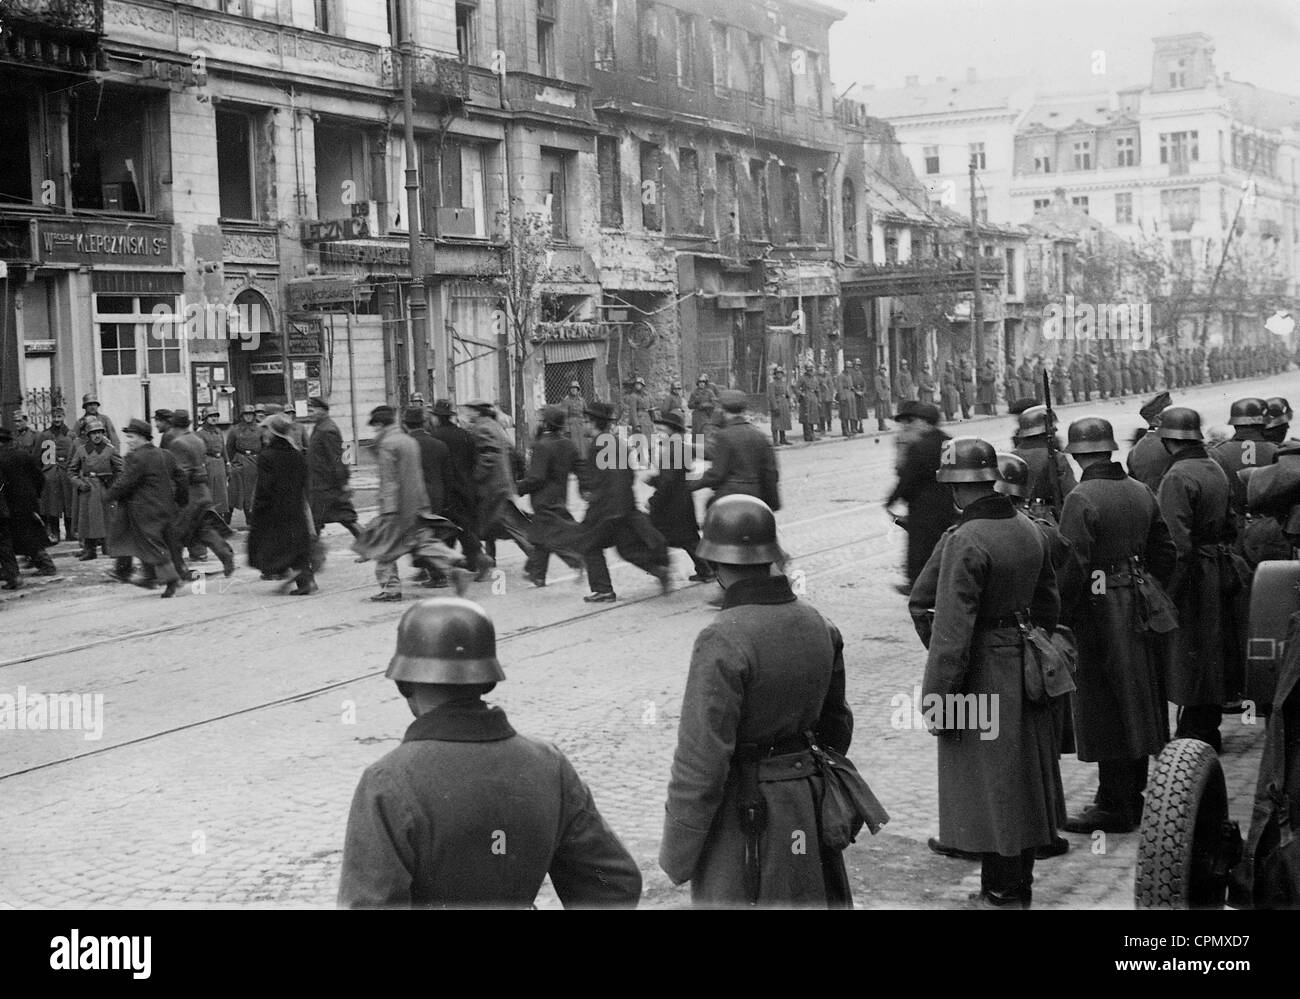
[[553, 528], [327, 474], [494, 483], [282, 538], [148, 496], [461, 506], [613, 518], [672, 507]]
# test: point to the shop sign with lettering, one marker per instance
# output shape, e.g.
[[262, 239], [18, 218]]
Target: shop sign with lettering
[[78, 242]]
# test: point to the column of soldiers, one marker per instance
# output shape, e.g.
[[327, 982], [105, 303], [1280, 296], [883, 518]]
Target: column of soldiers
[[1148, 568]]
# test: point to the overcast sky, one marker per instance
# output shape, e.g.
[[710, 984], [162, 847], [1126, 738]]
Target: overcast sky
[[883, 41]]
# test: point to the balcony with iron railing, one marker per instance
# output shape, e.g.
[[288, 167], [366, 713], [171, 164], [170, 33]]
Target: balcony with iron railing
[[916, 276], [804, 123], [52, 34]]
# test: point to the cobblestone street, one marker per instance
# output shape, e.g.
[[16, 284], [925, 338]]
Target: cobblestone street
[[236, 721]]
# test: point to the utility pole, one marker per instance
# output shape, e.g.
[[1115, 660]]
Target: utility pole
[[977, 305], [415, 302]]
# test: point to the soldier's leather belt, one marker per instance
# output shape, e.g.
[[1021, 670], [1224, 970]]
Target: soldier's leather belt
[[749, 752], [991, 623]]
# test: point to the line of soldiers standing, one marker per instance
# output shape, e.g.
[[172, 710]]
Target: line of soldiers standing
[[1149, 569], [1137, 372]]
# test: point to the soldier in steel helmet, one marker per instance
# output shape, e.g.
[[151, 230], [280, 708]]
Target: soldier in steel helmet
[[466, 811], [1122, 546], [1248, 449], [744, 785], [1277, 423], [990, 573], [1050, 476], [1207, 581]]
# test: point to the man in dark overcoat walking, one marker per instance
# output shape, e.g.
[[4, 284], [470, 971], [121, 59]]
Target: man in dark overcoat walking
[[672, 506], [327, 473], [461, 506], [744, 461], [553, 529], [494, 483], [282, 538], [930, 509], [22, 531], [197, 526], [1210, 583], [768, 670], [1123, 549], [613, 518], [148, 496], [997, 796], [467, 812]]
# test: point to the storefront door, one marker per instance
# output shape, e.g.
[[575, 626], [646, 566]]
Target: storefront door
[[141, 364]]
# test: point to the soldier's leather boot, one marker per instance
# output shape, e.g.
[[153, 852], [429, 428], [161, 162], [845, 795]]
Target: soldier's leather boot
[[87, 552]]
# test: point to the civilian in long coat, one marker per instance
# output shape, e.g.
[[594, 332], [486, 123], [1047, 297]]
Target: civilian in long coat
[[198, 526], [1120, 713], [672, 505], [20, 504], [282, 538], [930, 509], [553, 528], [613, 518], [93, 468], [461, 506], [997, 796], [1207, 585], [778, 406], [147, 497], [768, 669], [494, 482], [402, 499], [327, 474], [435, 458]]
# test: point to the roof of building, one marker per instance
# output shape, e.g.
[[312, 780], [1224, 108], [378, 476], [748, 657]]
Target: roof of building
[[1092, 110], [1259, 107], [944, 98]]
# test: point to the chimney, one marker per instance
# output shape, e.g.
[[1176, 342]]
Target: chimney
[[970, 74], [912, 81]]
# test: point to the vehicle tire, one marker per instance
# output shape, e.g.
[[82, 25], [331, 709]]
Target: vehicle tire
[[1185, 840]]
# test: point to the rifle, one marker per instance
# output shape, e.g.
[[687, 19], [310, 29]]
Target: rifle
[[1053, 471]]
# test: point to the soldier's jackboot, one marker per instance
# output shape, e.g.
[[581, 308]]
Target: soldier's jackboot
[[87, 551]]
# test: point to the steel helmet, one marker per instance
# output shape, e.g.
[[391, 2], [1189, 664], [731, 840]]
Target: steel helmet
[[1091, 435], [739, 530], [89, 398], [1180, 423], [968, 459], [446, 640], [1032, 422], [1248, 413], [1015, 475], [1279, 412]]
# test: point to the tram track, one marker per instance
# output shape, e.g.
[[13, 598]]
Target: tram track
[[529, 632]]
